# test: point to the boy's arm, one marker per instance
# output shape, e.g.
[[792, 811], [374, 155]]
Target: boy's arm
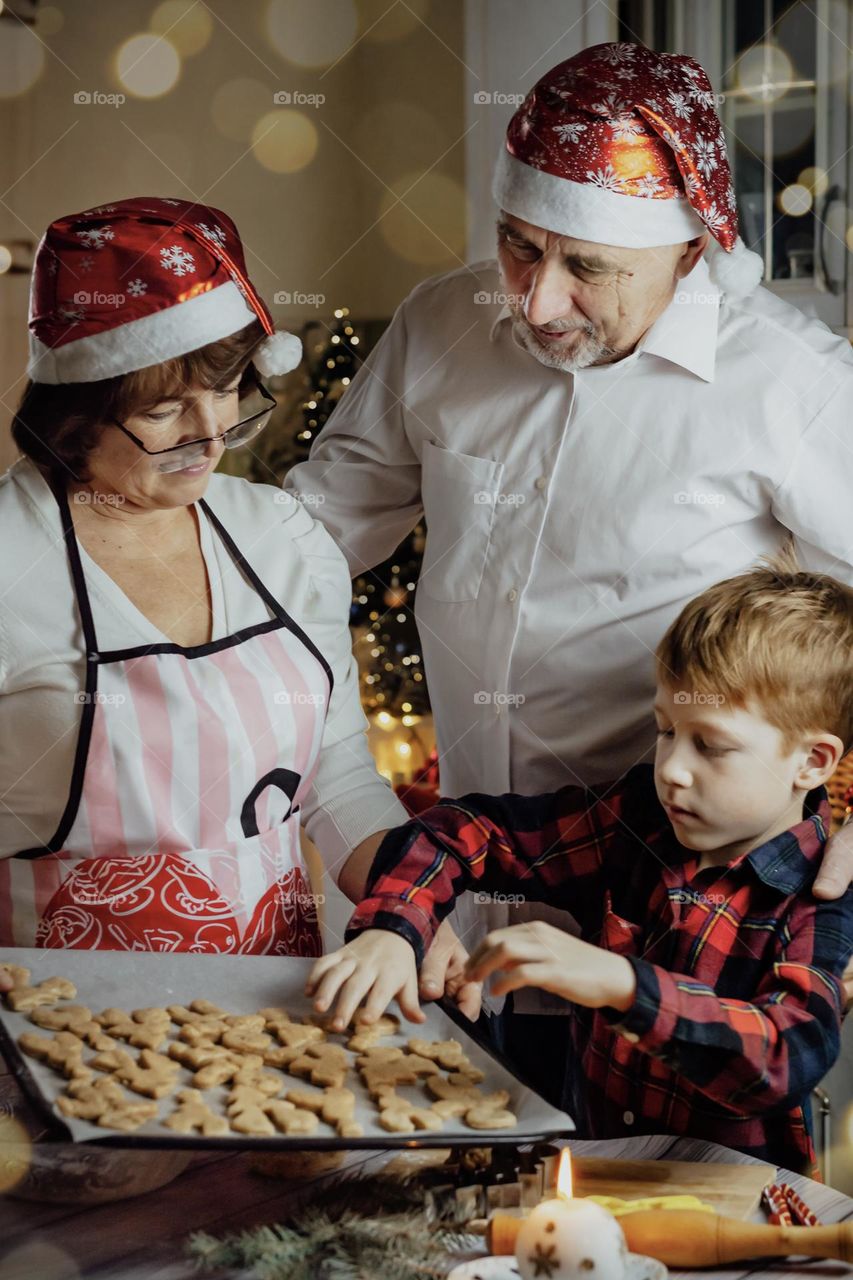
[[546, 847], [757, 1055]]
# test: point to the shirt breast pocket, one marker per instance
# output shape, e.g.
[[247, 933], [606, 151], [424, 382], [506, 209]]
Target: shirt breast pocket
[[459, 495]]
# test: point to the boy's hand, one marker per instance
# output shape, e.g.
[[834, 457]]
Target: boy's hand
[[378, 964], [443, 973], [539, 955]]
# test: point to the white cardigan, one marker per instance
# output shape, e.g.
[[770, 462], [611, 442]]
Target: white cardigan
[[42, 665]]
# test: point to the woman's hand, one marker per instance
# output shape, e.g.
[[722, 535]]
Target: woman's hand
[[377, 964], [443, 974], [539, 955]]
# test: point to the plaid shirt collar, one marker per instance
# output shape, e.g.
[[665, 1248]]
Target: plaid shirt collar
[[788, 862]]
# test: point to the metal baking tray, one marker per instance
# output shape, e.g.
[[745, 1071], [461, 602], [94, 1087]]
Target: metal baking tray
[[242, 985]]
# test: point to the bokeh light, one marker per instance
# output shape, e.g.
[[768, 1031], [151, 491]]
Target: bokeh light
[[187, 24], [284, 140], [21, 59], [816, 179], [236, 106], [5, 259], [15, 1153], [764, 73], [148, 65], [429, 228], [795, 199], [312, 33]]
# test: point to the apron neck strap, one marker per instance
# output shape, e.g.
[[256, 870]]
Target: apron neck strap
[[77, 575], [244, 566]]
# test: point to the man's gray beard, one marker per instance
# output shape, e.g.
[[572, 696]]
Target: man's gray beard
[[587, 350]]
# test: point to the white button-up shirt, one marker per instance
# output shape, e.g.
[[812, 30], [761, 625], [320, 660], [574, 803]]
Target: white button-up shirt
[[570, 517]]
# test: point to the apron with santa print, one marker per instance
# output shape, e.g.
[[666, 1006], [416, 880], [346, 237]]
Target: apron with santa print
[[181, 829]]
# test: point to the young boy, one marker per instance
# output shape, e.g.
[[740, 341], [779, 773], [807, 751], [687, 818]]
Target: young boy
[[705, 985]]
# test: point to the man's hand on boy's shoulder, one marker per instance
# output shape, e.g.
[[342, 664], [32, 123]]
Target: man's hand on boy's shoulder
[[834, 878]]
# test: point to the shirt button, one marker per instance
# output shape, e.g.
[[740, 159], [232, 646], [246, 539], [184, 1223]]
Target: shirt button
[[628, 1117], [542, 483], [512, 596]]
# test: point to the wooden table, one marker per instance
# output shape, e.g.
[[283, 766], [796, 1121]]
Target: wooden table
[[143, 1238]]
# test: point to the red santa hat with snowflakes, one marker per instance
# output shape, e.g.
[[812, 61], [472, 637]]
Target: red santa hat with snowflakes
[[138, 282], [622, 145]]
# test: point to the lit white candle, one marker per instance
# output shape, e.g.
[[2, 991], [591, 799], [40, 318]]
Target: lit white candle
[[571, 1239]]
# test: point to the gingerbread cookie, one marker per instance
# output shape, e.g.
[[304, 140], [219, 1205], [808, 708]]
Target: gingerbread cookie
[[334, 1106], [63, 1052], [322, 1064], [368, 1034], [449, 1054], [193, 1115], [399, 1116], [23, 998], [104, 1102], [152, 1074]]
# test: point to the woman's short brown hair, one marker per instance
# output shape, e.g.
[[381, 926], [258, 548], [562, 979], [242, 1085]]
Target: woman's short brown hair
[[59, 426]]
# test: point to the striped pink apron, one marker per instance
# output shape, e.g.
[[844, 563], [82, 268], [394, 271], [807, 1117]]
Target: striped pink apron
[[181, 830]]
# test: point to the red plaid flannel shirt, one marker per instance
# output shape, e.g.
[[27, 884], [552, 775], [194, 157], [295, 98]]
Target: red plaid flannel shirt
[[739, 1002]]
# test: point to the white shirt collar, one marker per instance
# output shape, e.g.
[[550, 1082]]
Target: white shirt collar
[[686, 333]]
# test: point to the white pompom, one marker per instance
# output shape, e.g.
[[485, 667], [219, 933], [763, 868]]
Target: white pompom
[[736, 273], [277, 354]]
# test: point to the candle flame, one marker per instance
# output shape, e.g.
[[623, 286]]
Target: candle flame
[[564, 1175]]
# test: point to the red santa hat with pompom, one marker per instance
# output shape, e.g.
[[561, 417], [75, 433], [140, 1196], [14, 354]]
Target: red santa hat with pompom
[[622, 145], [132, 284]]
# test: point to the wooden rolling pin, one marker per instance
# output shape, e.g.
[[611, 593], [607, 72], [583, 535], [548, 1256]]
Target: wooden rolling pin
[[691, 1238]]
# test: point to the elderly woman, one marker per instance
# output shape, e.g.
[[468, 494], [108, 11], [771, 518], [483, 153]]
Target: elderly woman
[[177, 688]]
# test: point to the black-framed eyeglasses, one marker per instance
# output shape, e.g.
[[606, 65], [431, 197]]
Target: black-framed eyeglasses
[[179, 456]]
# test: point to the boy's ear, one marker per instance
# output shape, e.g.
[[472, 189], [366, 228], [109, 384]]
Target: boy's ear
[[824, 752]]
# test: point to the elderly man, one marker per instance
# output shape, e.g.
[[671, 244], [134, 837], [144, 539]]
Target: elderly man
[[597, 427]]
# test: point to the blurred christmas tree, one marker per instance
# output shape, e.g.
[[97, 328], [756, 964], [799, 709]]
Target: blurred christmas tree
[[393, 684]]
